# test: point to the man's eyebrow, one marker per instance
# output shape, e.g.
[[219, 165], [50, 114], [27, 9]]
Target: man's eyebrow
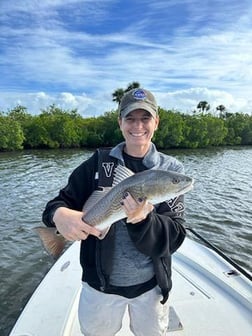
[[142, 116]]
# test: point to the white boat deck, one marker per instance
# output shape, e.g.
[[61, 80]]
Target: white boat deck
[[205, 300]]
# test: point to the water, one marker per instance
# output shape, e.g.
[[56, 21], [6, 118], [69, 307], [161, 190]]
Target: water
[[219, 208]]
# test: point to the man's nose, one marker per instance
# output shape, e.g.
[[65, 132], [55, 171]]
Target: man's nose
[[138, 122]]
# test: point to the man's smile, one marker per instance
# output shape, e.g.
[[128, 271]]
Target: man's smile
[[138, 134]]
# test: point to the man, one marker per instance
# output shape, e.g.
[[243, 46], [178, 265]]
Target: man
[[131, 266]]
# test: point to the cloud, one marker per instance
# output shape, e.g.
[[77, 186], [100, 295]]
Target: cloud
[[88, 106], [77, 52], [187, 100], [36, 102]]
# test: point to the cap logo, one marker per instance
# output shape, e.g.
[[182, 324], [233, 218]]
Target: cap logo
[[139, 94]]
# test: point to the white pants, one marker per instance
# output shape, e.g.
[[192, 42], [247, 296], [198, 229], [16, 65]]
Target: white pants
[[101, 314]]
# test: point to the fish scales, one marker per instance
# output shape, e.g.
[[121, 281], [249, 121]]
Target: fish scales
[[103, 208], [109, 208]]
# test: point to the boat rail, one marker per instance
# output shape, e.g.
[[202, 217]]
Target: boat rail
[[222, 254]]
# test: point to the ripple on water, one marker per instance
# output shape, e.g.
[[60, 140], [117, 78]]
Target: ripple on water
[[219, 208]]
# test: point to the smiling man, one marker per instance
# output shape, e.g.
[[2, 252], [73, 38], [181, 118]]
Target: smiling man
[[138, 121], [130, 267]]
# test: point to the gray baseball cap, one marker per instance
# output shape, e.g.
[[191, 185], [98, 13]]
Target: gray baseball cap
[[138, 99]]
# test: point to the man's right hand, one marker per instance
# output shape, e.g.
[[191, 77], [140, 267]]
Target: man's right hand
[[70, 225]]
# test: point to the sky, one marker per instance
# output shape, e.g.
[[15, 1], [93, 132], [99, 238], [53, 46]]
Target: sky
[[76, 53]]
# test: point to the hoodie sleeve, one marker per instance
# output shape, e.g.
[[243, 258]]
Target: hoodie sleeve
[[73, 196], [162, 232]]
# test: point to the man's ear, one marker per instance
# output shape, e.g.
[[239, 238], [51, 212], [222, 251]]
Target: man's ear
[[119, 121], [157, 123]]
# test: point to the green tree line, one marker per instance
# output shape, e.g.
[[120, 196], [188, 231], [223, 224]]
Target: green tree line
[[58, 128]]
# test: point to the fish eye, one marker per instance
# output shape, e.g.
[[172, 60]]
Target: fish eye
[[175, 180]]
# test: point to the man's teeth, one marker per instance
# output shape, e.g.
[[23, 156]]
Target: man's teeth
[[137, 134]]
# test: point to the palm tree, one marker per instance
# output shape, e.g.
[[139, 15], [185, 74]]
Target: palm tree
[[118, 93], [221, 108], [133, 85], [203, 106]]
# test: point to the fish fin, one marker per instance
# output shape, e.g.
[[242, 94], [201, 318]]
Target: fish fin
[[120, 174], [53, 242], [95, 197]]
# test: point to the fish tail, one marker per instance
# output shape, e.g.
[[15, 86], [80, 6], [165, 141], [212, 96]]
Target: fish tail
[[54, 243]]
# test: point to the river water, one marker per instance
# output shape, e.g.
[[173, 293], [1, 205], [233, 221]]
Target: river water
[[219, 208]]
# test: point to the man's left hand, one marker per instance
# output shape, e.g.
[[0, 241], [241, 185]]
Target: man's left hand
[[136, 210]]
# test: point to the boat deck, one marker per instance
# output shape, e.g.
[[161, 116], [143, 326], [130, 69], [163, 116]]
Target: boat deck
[[208, 298]]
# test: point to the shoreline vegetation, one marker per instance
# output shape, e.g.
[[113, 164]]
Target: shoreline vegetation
[[58, 128]]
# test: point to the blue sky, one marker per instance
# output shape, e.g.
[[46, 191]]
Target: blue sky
[[75, 53]]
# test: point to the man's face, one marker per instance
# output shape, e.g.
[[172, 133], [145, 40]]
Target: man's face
[[138, 127]]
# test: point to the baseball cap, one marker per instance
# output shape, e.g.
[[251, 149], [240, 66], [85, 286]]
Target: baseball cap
[[138, 99]]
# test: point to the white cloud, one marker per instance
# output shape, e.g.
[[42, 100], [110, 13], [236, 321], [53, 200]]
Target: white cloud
[[88, 105], [183, 56], [187, 100], [35, 102]]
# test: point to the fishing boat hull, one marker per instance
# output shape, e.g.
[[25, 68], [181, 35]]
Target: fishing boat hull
[[209, 297]]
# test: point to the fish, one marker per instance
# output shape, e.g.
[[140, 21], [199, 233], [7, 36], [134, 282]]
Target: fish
[[104, 206]]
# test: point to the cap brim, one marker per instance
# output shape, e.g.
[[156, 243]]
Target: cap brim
[[136, 106]]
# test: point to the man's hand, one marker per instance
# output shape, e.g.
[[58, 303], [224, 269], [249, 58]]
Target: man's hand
[[71, 226], [136, 210]]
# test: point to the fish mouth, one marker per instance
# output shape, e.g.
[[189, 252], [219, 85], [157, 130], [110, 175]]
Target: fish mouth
[[187, 187]]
